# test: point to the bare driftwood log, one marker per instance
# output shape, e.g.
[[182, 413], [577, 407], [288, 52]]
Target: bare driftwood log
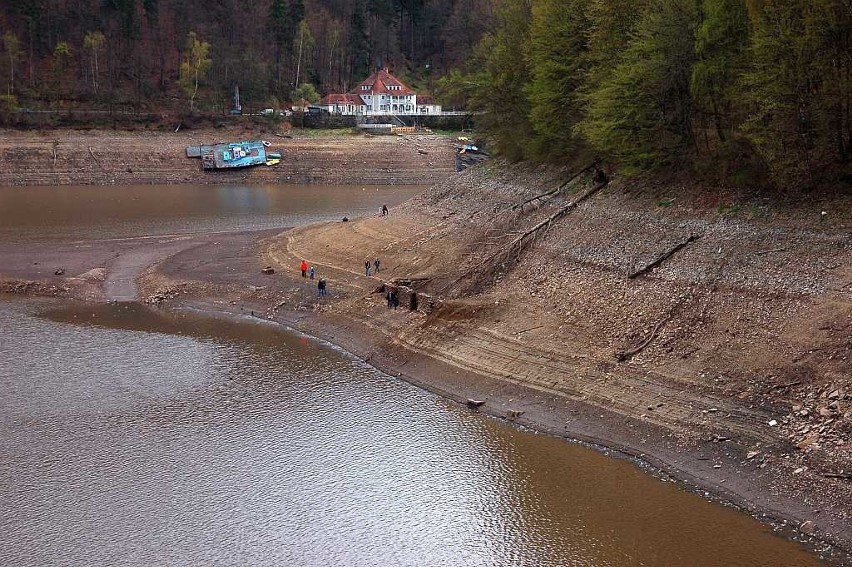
[[521, 241], [664, 257], [96, 159], [623, 355], [762, 252], [592, 165]]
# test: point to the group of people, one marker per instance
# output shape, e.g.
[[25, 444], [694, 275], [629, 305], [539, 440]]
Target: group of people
[[370, 265], [310, 272]]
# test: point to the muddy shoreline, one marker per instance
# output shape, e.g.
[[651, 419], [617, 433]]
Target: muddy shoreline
[[755, 318]]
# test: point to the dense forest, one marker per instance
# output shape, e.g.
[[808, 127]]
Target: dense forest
[[154, 54], [744, 90], [740, 89]]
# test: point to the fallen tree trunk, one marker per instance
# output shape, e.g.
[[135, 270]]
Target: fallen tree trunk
[[523, 240], [592, 165], [664, 257], [623, 355]]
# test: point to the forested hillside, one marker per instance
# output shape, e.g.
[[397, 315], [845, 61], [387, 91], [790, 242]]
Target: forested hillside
[[151, 53], [743, 89]]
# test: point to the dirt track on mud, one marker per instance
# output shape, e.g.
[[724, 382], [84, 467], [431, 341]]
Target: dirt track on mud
[[728, 364]]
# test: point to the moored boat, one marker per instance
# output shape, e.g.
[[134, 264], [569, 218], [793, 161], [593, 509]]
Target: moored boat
[[227, 155]]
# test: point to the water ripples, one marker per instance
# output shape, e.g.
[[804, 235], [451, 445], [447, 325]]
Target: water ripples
[[138, 437]]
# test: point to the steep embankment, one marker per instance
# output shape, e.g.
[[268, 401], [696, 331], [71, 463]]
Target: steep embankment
[[728, 360]]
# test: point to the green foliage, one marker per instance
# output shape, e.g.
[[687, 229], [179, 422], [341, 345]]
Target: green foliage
[[721, 42], [557, 55], [454, 89], [502, 73], [305, 43], [641, 113], [798, 85], [62, 56], [610, 23], [194, 66], [8, 105], [307, 92]]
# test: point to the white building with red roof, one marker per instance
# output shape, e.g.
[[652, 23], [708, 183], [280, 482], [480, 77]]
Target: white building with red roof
[[379, 94]]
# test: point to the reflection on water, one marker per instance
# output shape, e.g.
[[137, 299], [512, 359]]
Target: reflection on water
[[137, 437], [93, 212]]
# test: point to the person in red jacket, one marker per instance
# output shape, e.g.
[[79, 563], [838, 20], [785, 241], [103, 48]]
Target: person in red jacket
[[304, 267]]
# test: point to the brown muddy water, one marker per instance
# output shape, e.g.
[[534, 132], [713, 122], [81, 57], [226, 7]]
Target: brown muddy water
[[134, 436], [92, 212]]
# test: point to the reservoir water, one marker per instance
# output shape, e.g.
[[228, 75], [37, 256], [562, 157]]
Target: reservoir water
[[137, 436]]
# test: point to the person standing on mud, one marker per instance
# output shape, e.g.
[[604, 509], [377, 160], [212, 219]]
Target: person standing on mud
[[367, 267], [312, 272], [304, 267], [384, 210], [321, 287], [376, 264]]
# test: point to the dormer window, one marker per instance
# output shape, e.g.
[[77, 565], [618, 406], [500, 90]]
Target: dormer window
[[365, 87]]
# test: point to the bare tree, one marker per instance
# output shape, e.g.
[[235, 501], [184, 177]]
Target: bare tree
[[92, 43], [196, 62], [12, 46]]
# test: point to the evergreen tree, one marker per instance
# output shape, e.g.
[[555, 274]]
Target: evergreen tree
[[278, 28], [501, 76], [609, 25], [720, 44], [557, 55], [641, 114], [359, 43], [798, 84]]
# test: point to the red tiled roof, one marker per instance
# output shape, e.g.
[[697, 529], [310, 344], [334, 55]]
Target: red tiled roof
[[379, 82], [342, 99]]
